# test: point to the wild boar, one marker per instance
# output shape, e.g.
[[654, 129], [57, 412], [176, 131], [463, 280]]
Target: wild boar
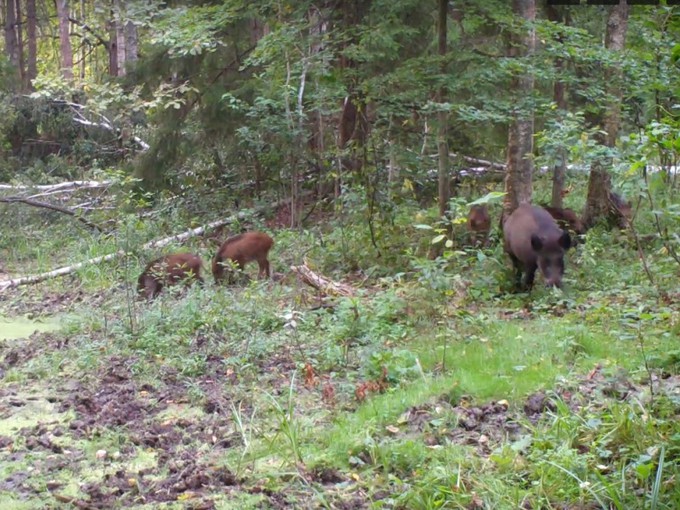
[[479, 224], [533, 240], [169, 270], [242, 249]]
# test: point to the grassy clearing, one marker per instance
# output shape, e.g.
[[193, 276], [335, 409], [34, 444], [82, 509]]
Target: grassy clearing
[[432, 388]]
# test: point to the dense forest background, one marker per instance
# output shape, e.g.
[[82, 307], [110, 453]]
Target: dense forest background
[[388, 362]]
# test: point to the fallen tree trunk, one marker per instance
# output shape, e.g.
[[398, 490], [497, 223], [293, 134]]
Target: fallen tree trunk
[[322, 283], [61, 186]]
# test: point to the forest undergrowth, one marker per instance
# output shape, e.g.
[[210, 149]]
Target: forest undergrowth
[[432, 387]]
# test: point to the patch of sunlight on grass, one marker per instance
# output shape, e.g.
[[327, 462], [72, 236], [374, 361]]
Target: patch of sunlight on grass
[[506, 360], [12, 328]]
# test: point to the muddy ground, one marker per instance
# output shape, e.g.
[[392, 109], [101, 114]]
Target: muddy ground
[[187, 451]]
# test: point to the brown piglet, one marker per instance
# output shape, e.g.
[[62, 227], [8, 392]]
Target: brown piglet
[[566, 219], [169, 270], [242, 249], [479, 224]]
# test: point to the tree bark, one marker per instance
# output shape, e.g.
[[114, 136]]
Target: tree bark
[[560, 98], [11, 43], [20, 45], [113, 43], [322, 283], [131, 43], [353, 126], [442, 145], [518, 185], [121, 40], [32, 42], [65, 40], [599, 185]]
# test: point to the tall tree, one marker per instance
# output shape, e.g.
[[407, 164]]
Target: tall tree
[[20, 43], [65, 40], [32, 43], [518, 185], [353, 123], [131, 43], [121, 40], [442, 145], [560, 98], [598, 205], [11, 42]]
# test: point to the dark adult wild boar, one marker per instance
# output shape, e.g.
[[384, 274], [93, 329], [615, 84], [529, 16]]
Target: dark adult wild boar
[[566, 219], [242, 249], [169, 270], [479, 224], [533, 240]]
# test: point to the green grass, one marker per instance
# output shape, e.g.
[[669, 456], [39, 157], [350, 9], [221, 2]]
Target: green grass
[[439, 336]]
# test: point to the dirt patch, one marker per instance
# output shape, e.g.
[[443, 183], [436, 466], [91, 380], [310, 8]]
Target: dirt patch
[[187, 479], [51, 303], [483, 426], [18, 352]]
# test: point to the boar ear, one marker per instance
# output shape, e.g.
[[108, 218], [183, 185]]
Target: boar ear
[[536, 242], [565, 240]]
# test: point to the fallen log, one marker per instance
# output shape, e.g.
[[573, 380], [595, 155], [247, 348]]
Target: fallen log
[[71, 185], [322, 283]]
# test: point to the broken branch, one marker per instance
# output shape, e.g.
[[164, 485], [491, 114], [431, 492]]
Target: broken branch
[[322, 283]]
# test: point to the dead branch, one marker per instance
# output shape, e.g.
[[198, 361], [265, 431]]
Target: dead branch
[[58, 208], [322, 283], [477, 161], [62, 186]]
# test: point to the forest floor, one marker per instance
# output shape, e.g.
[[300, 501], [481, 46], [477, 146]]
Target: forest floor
[[424, 391]]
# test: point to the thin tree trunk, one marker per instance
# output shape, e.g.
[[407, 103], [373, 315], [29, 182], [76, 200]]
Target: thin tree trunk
[[442, 145], [121, 46], [353, 125], [560, 98], [83, 50], [65, 40], [131, 43], [32, 64], [518, 185], [598, 205], [20, 45], [11, 43], [113, 44]]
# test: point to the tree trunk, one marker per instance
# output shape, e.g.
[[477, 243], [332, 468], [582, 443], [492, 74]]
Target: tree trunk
[[131, 43], [20, 45], [83, 47], [353, 126], [121, 46], [599, 185], [31, 23], [113, 44], [442, 145], [11, 43], [518, 185], [560, 98], [65, 40]]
